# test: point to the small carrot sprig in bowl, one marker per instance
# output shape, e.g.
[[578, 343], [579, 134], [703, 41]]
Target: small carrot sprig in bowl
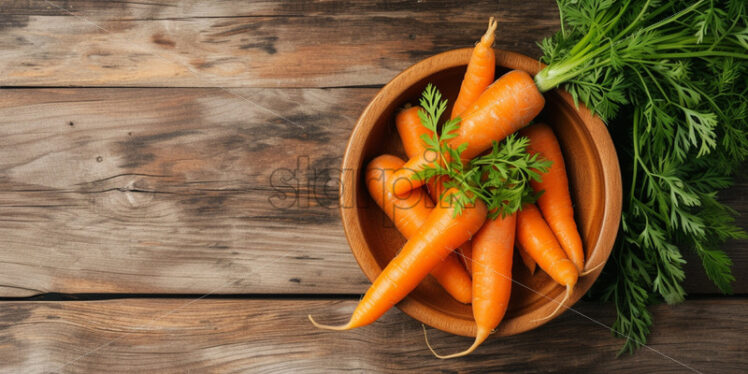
[[501, 178]]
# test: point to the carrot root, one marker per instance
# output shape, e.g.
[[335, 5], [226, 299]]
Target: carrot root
[[480, 337], [588, 271], [493, 23], [347, 326], [569, 288]]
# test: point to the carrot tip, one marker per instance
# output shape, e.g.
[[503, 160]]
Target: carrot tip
[[488, 37], [566, 298], [480, 337], [347, 326], [588, 271]]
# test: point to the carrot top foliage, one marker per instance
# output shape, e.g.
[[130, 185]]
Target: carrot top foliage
[[501, 179], [669, 76]]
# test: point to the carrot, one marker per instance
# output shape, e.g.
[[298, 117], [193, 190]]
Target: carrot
[[435, 188], [410, 129], [465, 252], [555, 202], [453, 277], [526, 259], [480, 71], [409, 213], [442, 232], [506, 106], [493, 248], [534, 235]]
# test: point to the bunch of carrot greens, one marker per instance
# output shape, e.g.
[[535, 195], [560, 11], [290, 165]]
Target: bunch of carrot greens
[[669, 79], [500, 178]]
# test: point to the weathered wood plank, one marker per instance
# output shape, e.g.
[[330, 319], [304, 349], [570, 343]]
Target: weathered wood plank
[[246, 44], [150, 10], [181, 191], [174, 190], [274, 336]]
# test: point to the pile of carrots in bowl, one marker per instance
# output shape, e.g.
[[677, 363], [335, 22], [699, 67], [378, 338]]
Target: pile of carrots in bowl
[[480, 181]]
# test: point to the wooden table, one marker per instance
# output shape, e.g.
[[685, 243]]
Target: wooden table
[[151, 220]]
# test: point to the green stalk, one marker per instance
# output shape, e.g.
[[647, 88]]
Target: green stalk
[[586, 50], [634, 22], [554, 75], [742, 56], [674, 17], [635, 135], [561, 18]]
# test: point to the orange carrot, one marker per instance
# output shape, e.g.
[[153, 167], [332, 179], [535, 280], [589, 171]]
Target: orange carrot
[[436, 188], [409, 213], [534, 235], [493, 248], [410, 129], [453, 277], [555, 202], [506, 106], [442, 232], [526, 259], [480, 71], [465, 252]]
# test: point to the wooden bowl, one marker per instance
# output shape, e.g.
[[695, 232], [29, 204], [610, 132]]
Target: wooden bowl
[[591, 163]]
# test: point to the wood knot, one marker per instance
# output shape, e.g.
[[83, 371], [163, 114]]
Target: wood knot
[[163, 41]]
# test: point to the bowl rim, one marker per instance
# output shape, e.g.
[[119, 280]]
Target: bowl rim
[[352, 164]]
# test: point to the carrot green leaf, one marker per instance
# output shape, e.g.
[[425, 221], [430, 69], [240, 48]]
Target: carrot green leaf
[[500, 178], [669, 79]]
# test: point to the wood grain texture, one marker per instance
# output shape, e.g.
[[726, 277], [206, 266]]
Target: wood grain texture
[[247, 44], [182, 190], [274, 336], [164, 190]]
